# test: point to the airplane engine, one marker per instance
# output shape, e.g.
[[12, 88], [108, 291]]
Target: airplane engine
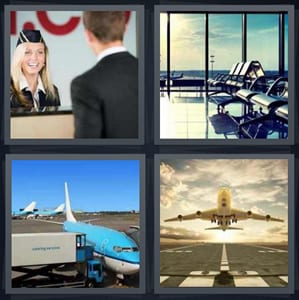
[[268, 217], [198, 214], [249, 213], [180, 218]]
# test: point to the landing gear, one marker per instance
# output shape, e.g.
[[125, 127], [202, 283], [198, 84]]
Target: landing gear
[[120, 279], [90, 284]]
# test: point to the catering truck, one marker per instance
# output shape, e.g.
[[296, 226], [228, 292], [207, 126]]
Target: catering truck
[[55, 259]]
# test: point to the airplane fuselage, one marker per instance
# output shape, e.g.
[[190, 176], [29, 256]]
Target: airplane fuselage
[[118, 251], [224, 217]]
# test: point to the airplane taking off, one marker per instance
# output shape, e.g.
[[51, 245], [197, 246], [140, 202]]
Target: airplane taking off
[[24, 212], [118, 251], [224, 215], [50, 213]]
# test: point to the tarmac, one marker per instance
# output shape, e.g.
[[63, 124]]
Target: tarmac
[[224, 265], [121, 222]]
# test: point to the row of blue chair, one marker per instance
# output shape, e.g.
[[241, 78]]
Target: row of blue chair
[[265, 104]]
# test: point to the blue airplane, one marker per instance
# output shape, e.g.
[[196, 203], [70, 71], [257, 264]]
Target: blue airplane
[[49, 213], [24, 212], [117, 250]]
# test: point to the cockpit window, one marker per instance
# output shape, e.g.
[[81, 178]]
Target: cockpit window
[[125, 249], [130, 249]]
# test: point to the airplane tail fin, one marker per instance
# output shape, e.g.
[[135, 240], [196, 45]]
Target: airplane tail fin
[[30, 207], [69, 215], [60, 208], [227, 228]]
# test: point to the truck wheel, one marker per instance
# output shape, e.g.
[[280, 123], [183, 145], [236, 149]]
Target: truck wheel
[[90, 284]]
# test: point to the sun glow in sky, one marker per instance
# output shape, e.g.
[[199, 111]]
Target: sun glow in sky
[[259, 185], [187, 39]]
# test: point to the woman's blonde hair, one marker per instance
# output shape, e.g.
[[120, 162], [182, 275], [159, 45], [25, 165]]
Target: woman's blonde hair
[[16, 73]]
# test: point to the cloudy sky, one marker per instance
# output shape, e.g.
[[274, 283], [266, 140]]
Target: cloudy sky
[[225, 39], [260, 185]]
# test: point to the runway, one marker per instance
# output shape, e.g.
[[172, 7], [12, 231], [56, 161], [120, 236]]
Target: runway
[[120, 222], [224, 265]]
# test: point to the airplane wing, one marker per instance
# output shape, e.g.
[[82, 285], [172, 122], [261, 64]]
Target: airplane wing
[[244, 215], [204, 215]]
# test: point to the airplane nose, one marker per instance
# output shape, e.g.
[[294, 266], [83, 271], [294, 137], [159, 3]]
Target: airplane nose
[[132, 269], [136, 268]]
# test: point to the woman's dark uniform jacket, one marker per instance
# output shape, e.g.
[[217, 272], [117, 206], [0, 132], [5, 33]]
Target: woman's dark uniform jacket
[[44, 100]]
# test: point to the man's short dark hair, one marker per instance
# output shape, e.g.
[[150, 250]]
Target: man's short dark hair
[[107, 26]]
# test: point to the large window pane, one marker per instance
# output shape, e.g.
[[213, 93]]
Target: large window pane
[[286, 44], [262, 40], [225, 41], [187, 40], [163, 42]]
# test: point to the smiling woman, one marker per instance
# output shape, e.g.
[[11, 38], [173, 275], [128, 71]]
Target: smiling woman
[[31, 86]]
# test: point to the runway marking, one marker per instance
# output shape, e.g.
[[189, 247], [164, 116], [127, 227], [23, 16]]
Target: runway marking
[[224, 262], [272, 251], [268, 248], [204, 273], [245, 281], [183, 247], [207, 281], [177, 251], [284, 278], [237, 273], [163, 278]]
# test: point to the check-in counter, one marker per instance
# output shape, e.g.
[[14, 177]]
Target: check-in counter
[[47, 123]]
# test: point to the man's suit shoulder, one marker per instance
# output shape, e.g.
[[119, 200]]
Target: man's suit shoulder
[[108, 61], [83, 76]]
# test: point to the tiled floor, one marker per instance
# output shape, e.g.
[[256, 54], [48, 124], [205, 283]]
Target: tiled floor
[[188, 116]]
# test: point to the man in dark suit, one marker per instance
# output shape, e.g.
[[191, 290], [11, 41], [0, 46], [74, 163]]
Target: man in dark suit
[[105, 98]]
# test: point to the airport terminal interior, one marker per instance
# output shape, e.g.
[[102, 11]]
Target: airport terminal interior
[[232, 83]]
